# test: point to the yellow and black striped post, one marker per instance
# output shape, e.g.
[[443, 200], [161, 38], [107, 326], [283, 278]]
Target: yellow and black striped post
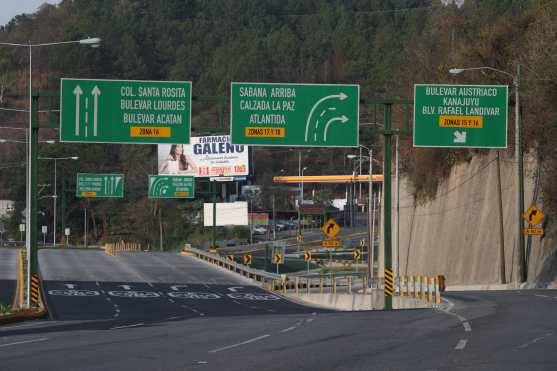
[[35, 293], [389, 288]]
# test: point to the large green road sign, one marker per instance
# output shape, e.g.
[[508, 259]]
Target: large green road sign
[[122, 111], [294, 114], [473, 116], [100, 185], [171, 186]]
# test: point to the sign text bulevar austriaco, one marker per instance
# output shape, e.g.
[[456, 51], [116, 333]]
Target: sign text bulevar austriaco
[[125, 111], [280, 114], [472, 116]]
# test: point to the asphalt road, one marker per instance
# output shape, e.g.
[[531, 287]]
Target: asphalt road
[[8, 265], [512, 330]]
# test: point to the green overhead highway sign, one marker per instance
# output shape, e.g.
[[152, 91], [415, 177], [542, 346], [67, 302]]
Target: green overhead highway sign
[[171, 186], [100, 185], [310, 115], [471, 116], [125, 111]]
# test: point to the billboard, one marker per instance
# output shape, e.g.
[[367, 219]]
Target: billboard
[[228, 213], [204, 157]]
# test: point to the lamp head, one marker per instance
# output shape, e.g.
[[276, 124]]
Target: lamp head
[[93, 41], [350, 156], [456, 71], [74, 158]]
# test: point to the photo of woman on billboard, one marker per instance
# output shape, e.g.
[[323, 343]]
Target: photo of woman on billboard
[[177, 162]]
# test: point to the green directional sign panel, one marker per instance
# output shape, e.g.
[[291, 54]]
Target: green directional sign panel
[[313, 115], [100, 185], [171, 186], [125, 111], [470, 116]]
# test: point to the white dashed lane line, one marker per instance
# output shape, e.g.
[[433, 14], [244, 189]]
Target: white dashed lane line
[[287, 329], [461, 344], [534, 341], [239, 344], [23, 342]]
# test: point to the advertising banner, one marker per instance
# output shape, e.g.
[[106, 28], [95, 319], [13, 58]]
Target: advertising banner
[[204, 157], [228, 213]]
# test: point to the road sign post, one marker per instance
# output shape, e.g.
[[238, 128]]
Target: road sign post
[[171, 186], [471, 116], [100, 185], [125, 111], [265, 114]]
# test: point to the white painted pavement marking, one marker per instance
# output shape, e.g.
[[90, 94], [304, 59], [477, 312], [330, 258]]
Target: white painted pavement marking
[[239, 344], [542, 296], [23, 342], [38, 323], [127, 326], [531, 342], [461, 344], [467, 326], [288, 329], [309, 320]]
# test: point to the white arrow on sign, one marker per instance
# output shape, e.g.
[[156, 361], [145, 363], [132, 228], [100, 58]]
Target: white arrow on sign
[[340, 96], [235, 289], [77, 92], [71, 286], [96, 92], [459, 137], [342, 119], [126, 287]]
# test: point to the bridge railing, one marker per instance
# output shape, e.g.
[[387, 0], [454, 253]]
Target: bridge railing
[[427, 288]]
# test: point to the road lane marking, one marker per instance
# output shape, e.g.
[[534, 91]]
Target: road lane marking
[[174, 317], [23, 342], [127, 326], [8, 327], [309, 320], [461, 344], [288, 329], [239, 344], [467, 326], [542, 296], [531, 342]]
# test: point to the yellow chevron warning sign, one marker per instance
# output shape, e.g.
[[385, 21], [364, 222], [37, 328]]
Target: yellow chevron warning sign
[[357, 254], [248, 259], [277, 259], [307, 255]]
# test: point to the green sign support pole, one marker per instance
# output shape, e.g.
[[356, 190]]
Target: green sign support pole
[[32, 259], [387, 199]]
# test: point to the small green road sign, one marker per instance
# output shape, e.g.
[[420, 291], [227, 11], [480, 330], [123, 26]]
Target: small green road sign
[[470, 116], [313, 115], [171, 186], [100, 185], [125, 111]]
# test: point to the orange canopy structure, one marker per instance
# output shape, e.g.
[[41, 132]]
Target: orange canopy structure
[[328, 179]]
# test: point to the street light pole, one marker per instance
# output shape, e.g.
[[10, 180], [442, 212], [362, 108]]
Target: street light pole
[[523, 269], [30, 196]]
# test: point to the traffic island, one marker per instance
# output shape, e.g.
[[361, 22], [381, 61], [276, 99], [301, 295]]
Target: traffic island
[[17, 312]]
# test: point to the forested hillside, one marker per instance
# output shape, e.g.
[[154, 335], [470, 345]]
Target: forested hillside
[[385, 46]]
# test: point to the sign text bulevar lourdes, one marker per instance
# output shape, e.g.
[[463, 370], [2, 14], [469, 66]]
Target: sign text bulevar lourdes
[[125, 111]]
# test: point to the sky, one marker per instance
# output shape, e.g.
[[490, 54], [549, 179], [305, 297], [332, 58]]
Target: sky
[[11, 8]]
